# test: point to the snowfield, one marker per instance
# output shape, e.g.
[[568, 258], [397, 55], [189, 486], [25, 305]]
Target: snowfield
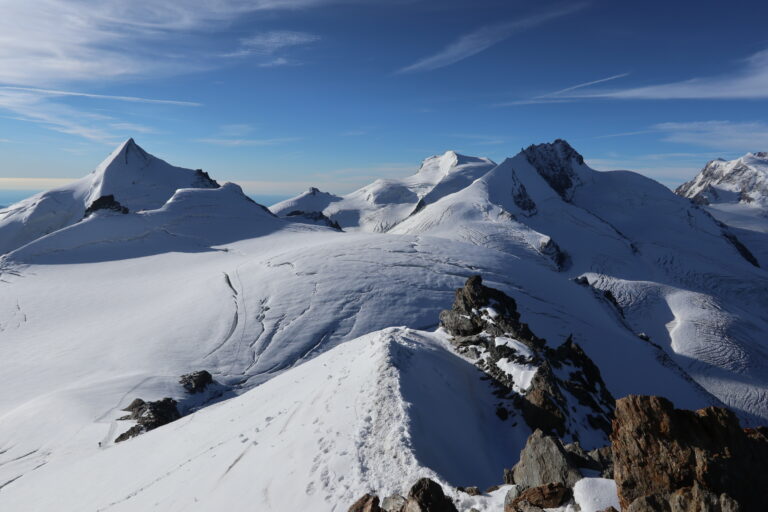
[[333, 378]]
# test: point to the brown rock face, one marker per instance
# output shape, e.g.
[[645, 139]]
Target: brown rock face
[[368, 503], [427, 496], [545, 496], [659, 451]]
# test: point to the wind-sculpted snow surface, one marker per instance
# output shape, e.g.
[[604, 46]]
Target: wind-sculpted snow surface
[[113, 307]]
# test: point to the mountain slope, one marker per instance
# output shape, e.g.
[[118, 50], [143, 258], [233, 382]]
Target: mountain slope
[[382, 204], [744, 180], [736, 193], [134, 178], [670, 270], [373, 414], [116, 307]]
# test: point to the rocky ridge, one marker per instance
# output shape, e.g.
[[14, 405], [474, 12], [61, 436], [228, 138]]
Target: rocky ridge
[[558, 390]]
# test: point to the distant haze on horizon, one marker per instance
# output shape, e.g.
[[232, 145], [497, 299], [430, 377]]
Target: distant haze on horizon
[[280, 96]]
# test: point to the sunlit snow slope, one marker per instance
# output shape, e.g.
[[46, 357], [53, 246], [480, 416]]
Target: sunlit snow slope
[[116, 306]]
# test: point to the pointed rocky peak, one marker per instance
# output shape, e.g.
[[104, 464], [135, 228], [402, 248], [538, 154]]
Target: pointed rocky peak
[[313, 191], [556, 162], [743, 180]]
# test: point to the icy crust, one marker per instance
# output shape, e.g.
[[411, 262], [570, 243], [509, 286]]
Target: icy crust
[[386, 202], [373, 414]]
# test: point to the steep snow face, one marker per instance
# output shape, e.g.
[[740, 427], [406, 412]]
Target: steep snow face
[[140, 181], [744, 180], [374, 414], [628, 235], [136, 179], [383, 204]]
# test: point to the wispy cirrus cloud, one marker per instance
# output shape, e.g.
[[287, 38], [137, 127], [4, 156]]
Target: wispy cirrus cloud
[[725, 135], [750, 82], [485, 37], [45, 44], [557, 96], [131, 99], [248, 142], [268, 44], [720, 135]]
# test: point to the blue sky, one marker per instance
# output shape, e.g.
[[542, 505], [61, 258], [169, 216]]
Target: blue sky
[[279, 95]]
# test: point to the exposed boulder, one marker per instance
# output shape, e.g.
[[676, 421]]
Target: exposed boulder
[[511, 496], [557, 390], [666, 457], [427, 496], [544, 461], [196, 382], [472, 491], [149, 416], [368, 503], [545, 496], [394, 503], [105, 203]]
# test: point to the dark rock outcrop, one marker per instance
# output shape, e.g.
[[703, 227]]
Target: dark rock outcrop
[[316, 217], [427, 496], [368, 503], [544, 461], [554, 163], [204, 180], [105, 203], [566, 394], [196, 382], [544, 496], [149, 416], [672, 459], [464, 317]]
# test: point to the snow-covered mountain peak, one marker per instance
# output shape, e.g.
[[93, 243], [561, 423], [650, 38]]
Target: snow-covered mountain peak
[[449, 162], [558, 163], [141, 181], [128, 180], [743, 180]]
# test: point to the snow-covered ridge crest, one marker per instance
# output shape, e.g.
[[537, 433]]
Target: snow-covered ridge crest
[[383, 204]]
